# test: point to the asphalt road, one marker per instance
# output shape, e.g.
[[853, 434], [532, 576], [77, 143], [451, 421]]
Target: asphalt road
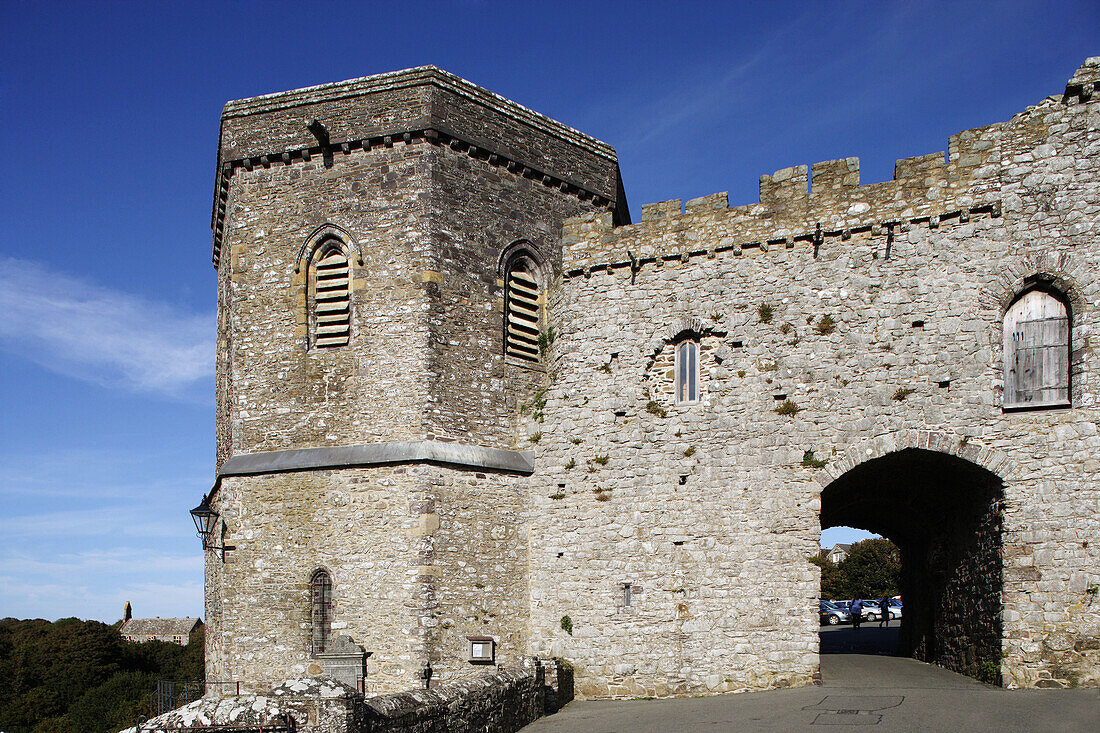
[[888, 694]]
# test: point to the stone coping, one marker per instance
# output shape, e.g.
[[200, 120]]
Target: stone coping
[[380, 454]]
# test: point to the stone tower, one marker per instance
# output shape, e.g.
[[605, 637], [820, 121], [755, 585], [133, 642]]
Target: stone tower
[[370, 488]]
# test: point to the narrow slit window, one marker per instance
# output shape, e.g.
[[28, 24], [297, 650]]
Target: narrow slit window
[[687, 373], [1036, 351], [522, 312], [330, 302], [321, 601]]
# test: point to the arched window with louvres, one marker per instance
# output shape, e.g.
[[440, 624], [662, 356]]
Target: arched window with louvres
[[329, 296], [320, 588], [523, 304]]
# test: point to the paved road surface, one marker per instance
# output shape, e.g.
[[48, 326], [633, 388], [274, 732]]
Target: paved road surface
[[880, 694]]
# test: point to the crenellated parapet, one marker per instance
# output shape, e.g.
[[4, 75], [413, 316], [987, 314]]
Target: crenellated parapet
[[810, 205]]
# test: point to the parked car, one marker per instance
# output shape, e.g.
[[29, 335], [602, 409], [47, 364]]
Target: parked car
[[831, 614]]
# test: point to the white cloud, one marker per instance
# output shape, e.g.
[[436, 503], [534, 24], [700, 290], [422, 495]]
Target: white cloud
[[107, 521], [127, 560], [93, 600], [107, 474], [88, 332], [95, 583]]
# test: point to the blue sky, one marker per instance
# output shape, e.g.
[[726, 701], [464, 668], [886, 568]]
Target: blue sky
[[109, 118]]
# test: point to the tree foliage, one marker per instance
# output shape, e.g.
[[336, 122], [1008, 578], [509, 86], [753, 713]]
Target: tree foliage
[[872, 569], [73, 676]]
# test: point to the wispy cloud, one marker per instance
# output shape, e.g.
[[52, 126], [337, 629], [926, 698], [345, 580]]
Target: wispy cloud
[[107, 474], [109, 521], [704, 91], [93, 599], [129, 560], [96, 334]]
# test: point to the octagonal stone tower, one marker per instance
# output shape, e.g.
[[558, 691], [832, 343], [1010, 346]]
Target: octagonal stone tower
[[368, 477]]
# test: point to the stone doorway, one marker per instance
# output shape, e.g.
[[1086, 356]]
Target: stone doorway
[[944, 514]]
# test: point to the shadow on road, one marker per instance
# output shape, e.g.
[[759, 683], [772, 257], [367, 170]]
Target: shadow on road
[[869, 639]]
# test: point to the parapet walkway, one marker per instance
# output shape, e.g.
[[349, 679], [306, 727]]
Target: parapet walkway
[[876, 693]]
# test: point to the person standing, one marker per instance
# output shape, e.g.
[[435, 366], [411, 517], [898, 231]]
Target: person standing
[[857, 613], [884, 608]]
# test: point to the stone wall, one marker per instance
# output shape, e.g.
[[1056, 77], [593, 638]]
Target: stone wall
[[453, 494], [369, 460], [501, 701], [713, 508]]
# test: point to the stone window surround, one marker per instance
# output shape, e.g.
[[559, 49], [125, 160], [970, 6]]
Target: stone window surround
[[665, 339], [690, 395], [526, 252], [320, 239], [325, 612]]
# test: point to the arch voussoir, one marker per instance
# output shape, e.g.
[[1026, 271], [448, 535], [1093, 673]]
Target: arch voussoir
[[950, 443]]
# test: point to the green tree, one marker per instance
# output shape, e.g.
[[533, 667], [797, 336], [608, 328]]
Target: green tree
[[73, 676], [872, 569], [832, 579]]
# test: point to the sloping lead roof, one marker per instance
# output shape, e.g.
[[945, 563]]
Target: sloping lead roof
[[159, 626]]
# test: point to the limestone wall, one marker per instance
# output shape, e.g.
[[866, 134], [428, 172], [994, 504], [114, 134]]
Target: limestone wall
[[710, 509], [427, 179]]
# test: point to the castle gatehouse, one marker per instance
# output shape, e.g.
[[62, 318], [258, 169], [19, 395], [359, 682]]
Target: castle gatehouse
[[470, 413]]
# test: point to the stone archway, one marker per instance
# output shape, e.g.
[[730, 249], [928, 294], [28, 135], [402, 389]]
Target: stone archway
[[940, 499]]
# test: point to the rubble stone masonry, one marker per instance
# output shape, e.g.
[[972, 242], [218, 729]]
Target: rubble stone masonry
[[851, 370]]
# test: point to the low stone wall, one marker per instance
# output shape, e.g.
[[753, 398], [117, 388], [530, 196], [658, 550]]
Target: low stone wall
[[317, 705], [502, 701]]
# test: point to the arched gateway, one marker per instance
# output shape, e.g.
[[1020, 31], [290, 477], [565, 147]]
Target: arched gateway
[[944, 511]]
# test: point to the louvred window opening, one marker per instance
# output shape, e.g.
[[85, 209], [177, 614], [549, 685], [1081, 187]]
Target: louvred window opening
[[331, 315], [521, 337]]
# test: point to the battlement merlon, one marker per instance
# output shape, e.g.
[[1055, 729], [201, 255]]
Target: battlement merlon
[[793, 202], [411, 105]]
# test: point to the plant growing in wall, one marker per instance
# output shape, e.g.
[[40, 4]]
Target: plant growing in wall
[[653, 408], [902, 393], [567, 625], [765, 312], [808, 460], [825, 325], [689, 451], [535, 438], [546, 340], [788, 409], [537, 405], [572, 464]]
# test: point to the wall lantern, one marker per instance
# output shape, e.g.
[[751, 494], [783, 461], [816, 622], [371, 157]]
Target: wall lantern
[[206, 521]]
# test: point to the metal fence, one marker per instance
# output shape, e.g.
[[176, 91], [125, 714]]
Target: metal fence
[[172, 694]]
